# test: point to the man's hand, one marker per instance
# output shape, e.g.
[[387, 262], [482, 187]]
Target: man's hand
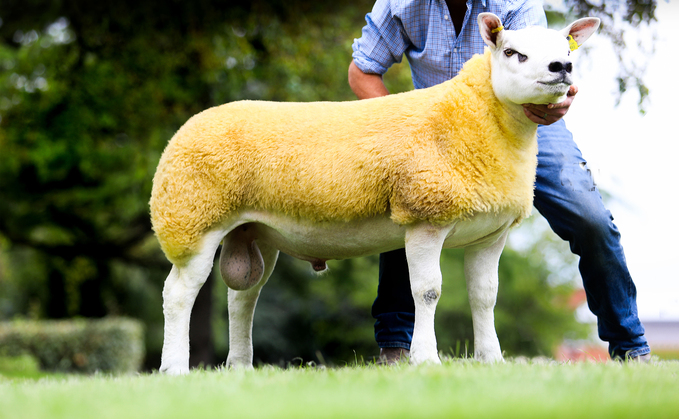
[[549, 114]]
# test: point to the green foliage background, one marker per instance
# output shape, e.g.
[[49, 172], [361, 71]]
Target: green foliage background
[[90, 93], [110, 345]]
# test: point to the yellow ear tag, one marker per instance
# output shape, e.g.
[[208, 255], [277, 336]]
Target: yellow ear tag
[[572, 43], [498, 29]]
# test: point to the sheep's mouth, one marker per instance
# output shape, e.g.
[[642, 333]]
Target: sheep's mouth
[[555, 87], [558, 82]]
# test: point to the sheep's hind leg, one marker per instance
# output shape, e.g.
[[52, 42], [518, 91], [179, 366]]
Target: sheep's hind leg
[[242, 310], [179, 294], [481, 266]]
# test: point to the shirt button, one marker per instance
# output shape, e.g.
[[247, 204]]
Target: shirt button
[[445, 17]]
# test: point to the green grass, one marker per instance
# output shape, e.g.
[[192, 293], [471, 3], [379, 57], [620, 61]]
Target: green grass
[[459, 388], [24, 366]]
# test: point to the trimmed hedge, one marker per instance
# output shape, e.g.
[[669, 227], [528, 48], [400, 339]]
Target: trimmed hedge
[[81, 345]]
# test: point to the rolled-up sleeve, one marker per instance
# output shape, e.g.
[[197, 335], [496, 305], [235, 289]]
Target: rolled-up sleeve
[[382, 42]]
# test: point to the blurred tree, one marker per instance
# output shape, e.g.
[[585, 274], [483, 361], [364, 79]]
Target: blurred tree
[[90, 93]]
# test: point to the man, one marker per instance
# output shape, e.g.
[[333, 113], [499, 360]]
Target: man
[[437, 37]]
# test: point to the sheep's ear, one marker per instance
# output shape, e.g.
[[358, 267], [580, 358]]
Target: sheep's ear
[[580, 30], [490, 28]]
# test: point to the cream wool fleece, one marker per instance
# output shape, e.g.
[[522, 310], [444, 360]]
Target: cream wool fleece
[[436, 154]]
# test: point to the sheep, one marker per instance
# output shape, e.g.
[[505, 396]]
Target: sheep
[[448, 166]]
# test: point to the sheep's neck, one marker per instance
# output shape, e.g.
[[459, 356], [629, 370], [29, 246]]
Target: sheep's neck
[[515, 120], [476, 76]]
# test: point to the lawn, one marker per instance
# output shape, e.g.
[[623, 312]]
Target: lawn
[[458, 388]]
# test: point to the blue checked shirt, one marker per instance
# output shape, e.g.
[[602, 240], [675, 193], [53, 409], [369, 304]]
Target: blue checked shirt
[[424, 32]]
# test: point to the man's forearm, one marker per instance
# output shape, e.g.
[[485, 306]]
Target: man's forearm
[[364, 85]]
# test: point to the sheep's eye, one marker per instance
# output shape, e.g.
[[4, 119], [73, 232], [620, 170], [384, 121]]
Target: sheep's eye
[[510, 53]]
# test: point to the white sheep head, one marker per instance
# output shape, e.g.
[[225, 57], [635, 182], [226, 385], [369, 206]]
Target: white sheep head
[[533, 65]]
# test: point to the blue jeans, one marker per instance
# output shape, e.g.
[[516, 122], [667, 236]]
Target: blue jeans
[[565, 194]]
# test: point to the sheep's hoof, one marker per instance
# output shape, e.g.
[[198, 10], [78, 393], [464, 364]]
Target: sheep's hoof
[[490, 357], [418, 358], [174, 370], [238, 364]]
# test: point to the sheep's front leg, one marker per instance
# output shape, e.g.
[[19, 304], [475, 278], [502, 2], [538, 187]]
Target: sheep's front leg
[[242, 310], [480, 267], [423, 251]]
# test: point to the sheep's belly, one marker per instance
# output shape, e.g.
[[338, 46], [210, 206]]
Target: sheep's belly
[[312, 241]]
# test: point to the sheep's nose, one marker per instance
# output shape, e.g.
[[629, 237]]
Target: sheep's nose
[[558, 67]]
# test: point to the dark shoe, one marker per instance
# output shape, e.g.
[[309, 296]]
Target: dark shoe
[[643, 359], [392, 356]]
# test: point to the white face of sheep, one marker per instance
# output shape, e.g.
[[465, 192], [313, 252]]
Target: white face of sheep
[[533, 65]]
